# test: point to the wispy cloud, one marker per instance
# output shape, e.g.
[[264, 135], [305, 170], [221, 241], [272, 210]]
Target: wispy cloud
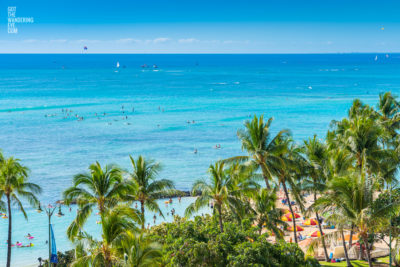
[[85, 41], [127, 41], [188, 41], [59, 41], [161, 40]]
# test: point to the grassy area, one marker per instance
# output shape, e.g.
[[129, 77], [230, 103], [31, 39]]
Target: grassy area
[[343, 263], [380, 262]]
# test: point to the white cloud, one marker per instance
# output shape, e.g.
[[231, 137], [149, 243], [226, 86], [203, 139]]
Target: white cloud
[[60, 41], [211, 41], [161, 40], [188, 41], [85, 41], [127, 41]]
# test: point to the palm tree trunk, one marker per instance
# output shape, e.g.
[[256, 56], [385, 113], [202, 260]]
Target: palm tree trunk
[[267, 182], [360, 255], [291, 211], [368, 252], [142, 212], [345, 249], [221, 226], [9, 232], [264, 174], [322, 233], [351, 235]]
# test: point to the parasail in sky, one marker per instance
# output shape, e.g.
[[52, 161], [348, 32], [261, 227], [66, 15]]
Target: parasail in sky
[[85, 48]]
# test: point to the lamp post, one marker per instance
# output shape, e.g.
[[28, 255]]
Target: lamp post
[[49, 211], [390, 229]]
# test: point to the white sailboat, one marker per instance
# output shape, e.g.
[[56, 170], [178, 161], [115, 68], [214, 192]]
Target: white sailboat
[[376, 58], [117, 66]]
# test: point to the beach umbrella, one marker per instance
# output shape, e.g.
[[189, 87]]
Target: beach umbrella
[[298, 228], [316, 234], [286, 219], [286, 211], [310, 222], [289, 215], [347, 237]]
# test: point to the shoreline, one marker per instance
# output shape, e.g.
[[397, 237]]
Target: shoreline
[[181, 193]]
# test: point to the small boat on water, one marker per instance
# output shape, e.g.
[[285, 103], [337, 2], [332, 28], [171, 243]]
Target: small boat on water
[[376, 58], [117, 67]]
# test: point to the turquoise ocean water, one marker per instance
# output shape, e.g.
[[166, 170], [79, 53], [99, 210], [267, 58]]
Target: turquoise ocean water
[[218, 92]]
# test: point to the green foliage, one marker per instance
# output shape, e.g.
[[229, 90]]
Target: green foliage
[[64, 258], [199, 243], [263, 253]]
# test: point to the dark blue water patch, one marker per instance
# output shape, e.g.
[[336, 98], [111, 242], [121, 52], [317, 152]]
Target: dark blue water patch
[[108, 61]]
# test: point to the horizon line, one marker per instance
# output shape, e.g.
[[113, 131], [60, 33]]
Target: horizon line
[[184, 53]]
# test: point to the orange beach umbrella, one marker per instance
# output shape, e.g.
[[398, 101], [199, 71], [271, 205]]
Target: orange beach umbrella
[[286, 219], [347, 237]]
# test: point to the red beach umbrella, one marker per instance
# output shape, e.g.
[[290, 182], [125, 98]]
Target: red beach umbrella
[[289, 215], [316, 234], [310, 222], [298, 228]]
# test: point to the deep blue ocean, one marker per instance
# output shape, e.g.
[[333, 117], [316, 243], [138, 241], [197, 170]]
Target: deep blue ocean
[[187, 103]]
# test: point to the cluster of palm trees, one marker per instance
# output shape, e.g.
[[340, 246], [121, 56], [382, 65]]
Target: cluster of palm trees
[[111, 191], [14, 190], [346, 175]]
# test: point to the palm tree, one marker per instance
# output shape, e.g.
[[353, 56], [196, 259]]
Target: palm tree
[[139, 251], [218, 190], [333, 236], [144, 187], [100, 188], [244, 184], [14, 186], [353, 197], [267, 214], [316, 159], [289, 173], [262, 149], [360, 134], [117, 224], [389, 113]]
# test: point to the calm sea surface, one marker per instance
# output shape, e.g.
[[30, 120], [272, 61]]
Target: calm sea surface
[[145, 111]]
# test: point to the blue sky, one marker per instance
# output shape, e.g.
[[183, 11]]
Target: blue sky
[[194, 26]]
